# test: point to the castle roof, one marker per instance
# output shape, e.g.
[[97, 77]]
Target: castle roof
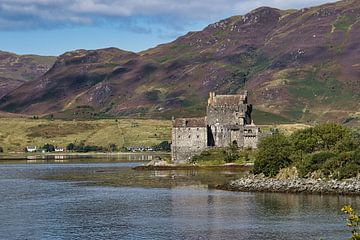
[[190, 122], [230, 100]]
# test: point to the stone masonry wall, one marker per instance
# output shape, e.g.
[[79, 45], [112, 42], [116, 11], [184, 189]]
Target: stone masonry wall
[[188, 142]]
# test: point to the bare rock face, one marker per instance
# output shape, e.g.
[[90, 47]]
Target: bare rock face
[[298, 65]]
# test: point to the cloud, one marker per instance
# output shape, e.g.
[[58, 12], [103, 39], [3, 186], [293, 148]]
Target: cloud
[[137, 15]]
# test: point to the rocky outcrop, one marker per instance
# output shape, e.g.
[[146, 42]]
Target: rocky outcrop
[[260, 183]]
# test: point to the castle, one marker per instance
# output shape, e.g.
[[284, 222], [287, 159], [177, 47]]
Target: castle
[[228, 121]]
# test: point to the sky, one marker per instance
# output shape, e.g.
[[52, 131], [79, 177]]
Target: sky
[[52, 27]]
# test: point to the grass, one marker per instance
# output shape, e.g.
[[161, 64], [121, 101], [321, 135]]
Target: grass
[[261, 117], [216, 156], [17, 133]]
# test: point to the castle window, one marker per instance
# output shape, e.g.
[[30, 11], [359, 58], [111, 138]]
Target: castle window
[[179, 136], [189, 136], [197, 136], [197, 129]]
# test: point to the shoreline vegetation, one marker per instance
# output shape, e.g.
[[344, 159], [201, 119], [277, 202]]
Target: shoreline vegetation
[[324, 159]]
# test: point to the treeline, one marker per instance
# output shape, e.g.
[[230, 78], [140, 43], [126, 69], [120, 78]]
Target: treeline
[[326, 150], [82, 147], [164, 146]]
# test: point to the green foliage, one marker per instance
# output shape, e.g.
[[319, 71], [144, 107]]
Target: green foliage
[[306, 140], [84, 148], [331, 149], [345, 22], [313, 162], [49, 147], [273, 154], [353, 222], [164, 146], [232, 154], [219, 156]]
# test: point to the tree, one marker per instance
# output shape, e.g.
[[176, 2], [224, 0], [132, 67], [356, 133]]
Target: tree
[[113, 147], [330, 134], [49, 147], [163, 146], [273, 154], [305, 141], [70, 147]]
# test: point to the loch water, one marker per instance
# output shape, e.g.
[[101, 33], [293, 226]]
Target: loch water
[[108, 200]]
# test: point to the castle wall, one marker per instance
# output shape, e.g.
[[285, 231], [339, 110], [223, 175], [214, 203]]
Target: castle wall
[[228, 121], [188, 142], [229, 115], [251, 136]]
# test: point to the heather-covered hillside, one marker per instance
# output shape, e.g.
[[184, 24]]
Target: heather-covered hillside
[[298, 65]]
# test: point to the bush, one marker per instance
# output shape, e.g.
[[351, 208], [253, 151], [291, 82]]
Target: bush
[[314, 162], [331, 149], [348, 170], [49, 147], [163, 146], [84, 148], [231, 154], [273, 154]]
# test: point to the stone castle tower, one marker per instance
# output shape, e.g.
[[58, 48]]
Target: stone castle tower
[[228, 121]]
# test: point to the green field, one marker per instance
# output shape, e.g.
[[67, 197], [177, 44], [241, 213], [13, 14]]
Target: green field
[[17, 133]]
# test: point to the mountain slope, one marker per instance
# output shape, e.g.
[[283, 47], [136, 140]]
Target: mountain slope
[[299, 65], [17, 69]]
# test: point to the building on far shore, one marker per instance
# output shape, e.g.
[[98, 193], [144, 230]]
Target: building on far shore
[[31, 148], [228, 121]]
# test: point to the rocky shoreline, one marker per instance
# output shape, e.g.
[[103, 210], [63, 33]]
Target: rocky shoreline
[[260, 183]]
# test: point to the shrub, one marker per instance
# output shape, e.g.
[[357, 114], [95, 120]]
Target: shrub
[[231, 154], [305, 140], [163, 146], [48, 147], [330, 134], [348, 170], [273, 154], [314, 162]]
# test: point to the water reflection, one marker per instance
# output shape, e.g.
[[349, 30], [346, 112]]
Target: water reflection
[[153, 205]]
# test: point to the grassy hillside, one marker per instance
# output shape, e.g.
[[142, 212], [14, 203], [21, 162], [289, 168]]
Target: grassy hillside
[[16, 133]]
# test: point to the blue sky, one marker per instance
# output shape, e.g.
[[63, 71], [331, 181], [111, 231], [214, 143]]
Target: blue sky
[[52, 27]]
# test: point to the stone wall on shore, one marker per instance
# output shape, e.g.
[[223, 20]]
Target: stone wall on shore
[[260, 183]]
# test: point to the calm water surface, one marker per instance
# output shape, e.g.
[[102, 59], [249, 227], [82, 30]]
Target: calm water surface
[[90, 200]]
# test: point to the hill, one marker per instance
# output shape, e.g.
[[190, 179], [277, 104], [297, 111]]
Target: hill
[[17, 69], [298, 65]]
